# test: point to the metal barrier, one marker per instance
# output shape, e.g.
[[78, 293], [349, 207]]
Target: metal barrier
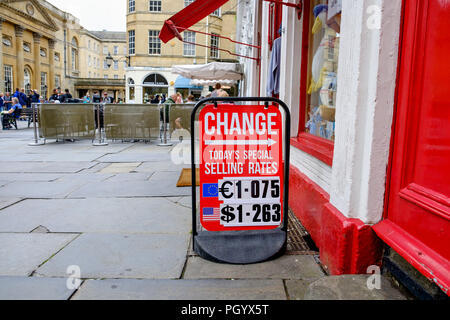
[[118, 122], [137, 122], [66, 121]]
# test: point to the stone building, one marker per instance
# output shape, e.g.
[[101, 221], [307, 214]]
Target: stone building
[[43, 47], [151, 60]]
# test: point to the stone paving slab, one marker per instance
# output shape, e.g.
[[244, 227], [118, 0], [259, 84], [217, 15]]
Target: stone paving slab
[[85, 177], [31, 177], [32, 288], [122, 167], [135, 157], [132, 176], [296, 289], [127, 289], [40, 190], [160, 166], [160, 184], [285, 267], [44, 167], [351, 287], [53, 157], [122, 215], [21, 254], [6, 202], [121, 256]]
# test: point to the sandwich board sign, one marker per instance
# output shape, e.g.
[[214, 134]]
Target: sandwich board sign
[[242, 181]]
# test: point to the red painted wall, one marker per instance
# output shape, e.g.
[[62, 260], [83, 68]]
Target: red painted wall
[[347, 246]]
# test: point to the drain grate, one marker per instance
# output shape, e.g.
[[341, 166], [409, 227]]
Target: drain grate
[[299, 241]]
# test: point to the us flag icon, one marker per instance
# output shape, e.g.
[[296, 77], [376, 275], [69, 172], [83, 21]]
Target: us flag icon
[[211, 214]]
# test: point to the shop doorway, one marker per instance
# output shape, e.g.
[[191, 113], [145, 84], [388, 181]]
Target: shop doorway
[[417, 210]]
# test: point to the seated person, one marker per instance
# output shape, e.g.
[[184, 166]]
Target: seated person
[[11, 114]]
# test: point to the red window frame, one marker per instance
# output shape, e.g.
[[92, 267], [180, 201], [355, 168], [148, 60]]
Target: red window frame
[[318, 147]]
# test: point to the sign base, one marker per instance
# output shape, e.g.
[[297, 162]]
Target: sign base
[[240, 247]]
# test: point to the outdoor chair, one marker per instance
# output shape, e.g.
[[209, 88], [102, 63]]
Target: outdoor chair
[[11, 119]]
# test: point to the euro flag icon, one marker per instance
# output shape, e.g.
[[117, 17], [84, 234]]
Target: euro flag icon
[[210, 190]]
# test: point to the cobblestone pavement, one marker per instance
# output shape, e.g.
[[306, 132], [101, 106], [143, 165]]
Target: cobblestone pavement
[[114, 216]]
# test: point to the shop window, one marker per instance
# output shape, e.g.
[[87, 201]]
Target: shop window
[[321, 33]]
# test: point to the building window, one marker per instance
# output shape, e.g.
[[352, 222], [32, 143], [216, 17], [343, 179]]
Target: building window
[[214, 53], [131, 6], [116, 76], [26, 47], [7, 41], [105, 50], [154, 43], [116, 65], [116, 50], [8, 70], [43, 53], [74, 54], [189, 48], [89, 61], [131, 38], [105, 65], [188, 2], [44, 87], [89, 44], [58, 81], [155, 6], [105, 76], [131, 89], [320, 104], [216, 13], [57, 57], [27, 77]]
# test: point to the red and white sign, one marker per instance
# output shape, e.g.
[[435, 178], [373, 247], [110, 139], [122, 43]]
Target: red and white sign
[[241, 167]]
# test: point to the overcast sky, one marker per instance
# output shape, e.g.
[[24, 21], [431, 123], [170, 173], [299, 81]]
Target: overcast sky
[[96, 15]]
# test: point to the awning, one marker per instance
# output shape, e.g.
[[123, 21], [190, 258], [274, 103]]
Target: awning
[[208, 83], [185, 83], [189, 16], [211, 71]]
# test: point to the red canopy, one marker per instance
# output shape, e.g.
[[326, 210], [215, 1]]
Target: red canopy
[[187, 17]]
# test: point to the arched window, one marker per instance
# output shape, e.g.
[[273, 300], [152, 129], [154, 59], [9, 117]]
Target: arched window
[[156, 80], [154, 84], [27, 78], [74, 54]]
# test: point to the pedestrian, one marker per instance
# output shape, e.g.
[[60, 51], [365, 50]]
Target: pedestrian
[[106, 98], [1, 101], [87, 98], [179, 99], [12, 113], [55, 96], [218, 89], [7, 101], [35, 97], [65, 97], [191, 99]]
